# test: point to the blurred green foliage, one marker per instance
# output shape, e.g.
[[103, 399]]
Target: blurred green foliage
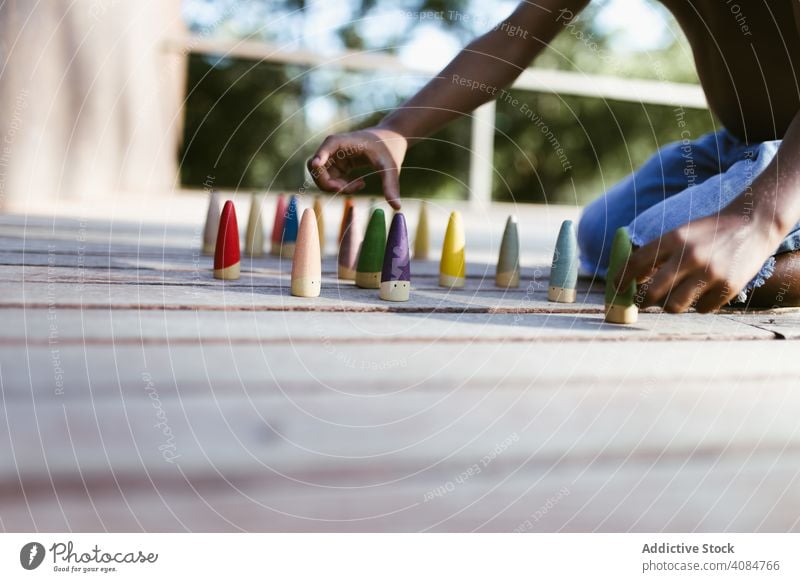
[[246, 125], [243, 125]]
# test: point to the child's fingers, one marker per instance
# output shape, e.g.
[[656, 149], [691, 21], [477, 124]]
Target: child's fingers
[[712, 299], [330, 172], [328, 182], [390, 179], [329, 147], [668, 277], [339, 178], [641, 263], [329, 177], [354, 186], [682, 296], [390, 176]]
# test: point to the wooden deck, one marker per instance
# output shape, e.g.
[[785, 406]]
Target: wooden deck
[[140, 394]]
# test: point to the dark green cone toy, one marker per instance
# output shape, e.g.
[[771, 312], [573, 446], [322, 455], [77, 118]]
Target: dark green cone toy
[[620, 307], [370, 259]]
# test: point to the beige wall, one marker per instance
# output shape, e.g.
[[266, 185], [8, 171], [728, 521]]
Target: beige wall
[[89, 98]]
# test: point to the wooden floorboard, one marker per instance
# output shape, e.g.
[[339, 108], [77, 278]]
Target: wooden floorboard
[[373, 369], [785, 325], [137, 393], [675, 495], [32, 327]]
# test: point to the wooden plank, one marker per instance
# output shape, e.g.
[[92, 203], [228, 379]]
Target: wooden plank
[[90, 242], [711, 494], [261, 272], [784, 323], [165, 259], [346, 440], [610, 446], [242, 410], [33, 327], [375, 369], [336, 296]]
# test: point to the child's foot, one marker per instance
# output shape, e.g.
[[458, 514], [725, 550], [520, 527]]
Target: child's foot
[[782, 289]]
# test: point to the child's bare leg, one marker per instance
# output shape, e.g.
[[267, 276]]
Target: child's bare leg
[[782, 289]]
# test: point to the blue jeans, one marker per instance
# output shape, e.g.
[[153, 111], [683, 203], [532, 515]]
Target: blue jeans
[[683, 181]]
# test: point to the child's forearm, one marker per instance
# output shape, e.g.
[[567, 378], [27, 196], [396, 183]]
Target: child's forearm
[[772, 201], [482, 69]]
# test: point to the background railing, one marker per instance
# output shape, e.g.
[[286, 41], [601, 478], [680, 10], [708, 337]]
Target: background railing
[[483, 120]]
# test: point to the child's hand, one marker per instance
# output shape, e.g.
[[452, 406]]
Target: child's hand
[[703, 263], [377, 147]]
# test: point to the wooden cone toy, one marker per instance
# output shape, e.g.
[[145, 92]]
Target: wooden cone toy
[[452, 267], [348, 249], [422, 242], [507, 274], [320, 217], [370, 257], [620, 307], [375, 204], [564, 271], [372, 207], [212, 224], [348, 202], [277, 226], [290, 227], [226, 255], [396, 275], [254, 236], [307, 261]]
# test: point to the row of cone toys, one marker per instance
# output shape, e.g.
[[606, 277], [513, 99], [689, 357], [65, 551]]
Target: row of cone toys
[[376, 261]]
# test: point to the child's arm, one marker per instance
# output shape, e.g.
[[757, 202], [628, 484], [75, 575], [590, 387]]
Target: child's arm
[[484, 67], [708, 261]]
